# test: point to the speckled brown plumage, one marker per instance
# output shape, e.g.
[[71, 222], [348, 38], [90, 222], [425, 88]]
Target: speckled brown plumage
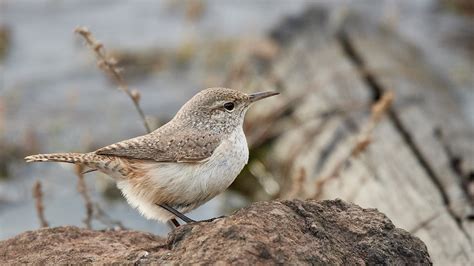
[[169, 143], [182, 164], [191, 136]]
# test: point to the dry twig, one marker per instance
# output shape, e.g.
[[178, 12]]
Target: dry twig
[[82, 188], [38, 195], [104, 218], [93, 210], [362, 141], [109, 65]]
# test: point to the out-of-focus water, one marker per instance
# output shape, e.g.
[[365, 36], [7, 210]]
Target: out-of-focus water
[[50, 89]]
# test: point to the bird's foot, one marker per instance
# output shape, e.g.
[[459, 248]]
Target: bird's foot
[[211, 220], [186, 219]]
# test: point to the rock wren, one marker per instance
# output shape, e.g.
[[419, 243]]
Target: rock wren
[[182, 164]]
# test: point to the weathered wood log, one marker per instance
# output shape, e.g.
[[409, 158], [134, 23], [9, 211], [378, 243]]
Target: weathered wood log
[[410, 170]]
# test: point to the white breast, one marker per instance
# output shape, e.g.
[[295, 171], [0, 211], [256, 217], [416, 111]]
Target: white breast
[[186, 186]]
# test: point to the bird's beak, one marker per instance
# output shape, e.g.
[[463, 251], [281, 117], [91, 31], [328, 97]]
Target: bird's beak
[[261, 95]]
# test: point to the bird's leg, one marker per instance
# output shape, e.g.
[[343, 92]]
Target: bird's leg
[[211, 219], [173, 223], [181, 216]]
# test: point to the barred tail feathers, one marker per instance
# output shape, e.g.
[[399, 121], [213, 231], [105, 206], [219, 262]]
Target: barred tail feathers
[[59, 157], [112, 166]]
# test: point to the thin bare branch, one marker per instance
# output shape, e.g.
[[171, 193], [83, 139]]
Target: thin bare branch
[[82, 189], [109, 65], [38, 195], [104, 218]]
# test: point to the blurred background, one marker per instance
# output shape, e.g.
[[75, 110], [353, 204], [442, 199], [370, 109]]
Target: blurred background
[[53, 98]]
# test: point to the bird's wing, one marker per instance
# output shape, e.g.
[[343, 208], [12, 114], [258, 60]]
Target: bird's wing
[[166, 145]]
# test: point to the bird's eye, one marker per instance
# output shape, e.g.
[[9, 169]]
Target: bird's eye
[[229, 106]]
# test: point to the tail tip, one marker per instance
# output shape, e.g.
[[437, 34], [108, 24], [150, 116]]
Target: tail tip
[[34, 158]]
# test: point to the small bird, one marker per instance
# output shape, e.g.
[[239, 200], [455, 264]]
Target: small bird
[[182, 164]]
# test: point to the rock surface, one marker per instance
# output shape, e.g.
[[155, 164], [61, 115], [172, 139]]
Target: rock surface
[[300, 232]]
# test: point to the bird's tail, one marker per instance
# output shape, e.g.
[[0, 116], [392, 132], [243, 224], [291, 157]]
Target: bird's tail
[[75, 158]]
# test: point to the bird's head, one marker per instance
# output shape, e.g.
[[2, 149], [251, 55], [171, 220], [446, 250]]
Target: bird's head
[[219, 108]]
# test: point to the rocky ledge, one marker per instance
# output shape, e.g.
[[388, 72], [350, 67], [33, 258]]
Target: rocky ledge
[[276, 232]]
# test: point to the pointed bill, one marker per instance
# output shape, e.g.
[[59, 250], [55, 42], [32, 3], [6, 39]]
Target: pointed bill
[[261, 95]]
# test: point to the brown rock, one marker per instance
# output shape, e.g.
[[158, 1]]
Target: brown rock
[[69, 244], [277, 232]]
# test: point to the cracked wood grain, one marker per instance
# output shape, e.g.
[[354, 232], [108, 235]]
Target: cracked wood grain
[[401, 67], [397, 174]]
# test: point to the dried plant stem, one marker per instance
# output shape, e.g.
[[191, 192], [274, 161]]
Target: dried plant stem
[[38, 195], [109, 65], [93, 210], [362, 141], [104, 218], [82, 188]]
